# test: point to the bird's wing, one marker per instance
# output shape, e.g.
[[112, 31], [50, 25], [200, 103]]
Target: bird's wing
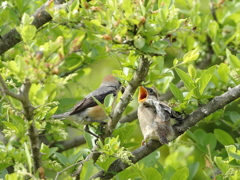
[[90, 102], [173, 114]]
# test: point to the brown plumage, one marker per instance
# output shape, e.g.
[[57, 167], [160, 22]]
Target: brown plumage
[[87, 110]]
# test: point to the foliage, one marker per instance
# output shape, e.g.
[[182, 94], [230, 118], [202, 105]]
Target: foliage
[[190, 41]]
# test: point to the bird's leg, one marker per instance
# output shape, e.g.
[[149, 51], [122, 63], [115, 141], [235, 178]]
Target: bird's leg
[[86, 128], [101, 127]]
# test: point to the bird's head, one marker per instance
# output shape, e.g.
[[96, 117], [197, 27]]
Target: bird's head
[[110, 80], [146, 93]]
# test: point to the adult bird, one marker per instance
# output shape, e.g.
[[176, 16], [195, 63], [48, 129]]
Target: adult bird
[[87, 110], [154, 116]]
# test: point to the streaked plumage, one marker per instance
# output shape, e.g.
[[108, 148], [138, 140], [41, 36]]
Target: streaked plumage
[[154, 116]]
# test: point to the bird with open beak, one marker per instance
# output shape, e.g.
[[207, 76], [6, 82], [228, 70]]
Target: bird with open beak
[[154, 116], [87, 110]]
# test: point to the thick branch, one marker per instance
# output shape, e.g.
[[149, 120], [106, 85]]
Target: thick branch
[[138, 77], [203, 111], [217, 103], [69, 144], [41, 17]]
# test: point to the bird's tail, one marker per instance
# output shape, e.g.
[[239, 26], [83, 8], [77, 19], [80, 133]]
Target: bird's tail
[[60, 116]]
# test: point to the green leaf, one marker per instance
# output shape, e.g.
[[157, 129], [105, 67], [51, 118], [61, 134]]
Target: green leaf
[[193, 168], [234, 155], [10, 125], [12, 65], [151, 173], [223, 72], [26, 19], [108, 101], [29, 158], [221, 164], [205, 78], [175, 62], [176, 92], [223, 137], [181, 174], [139, 42], [124, 132], [28, 32], [51, 112], [192, 71], [168, 172], [160, 62], [191, 55], [212, 29], [211, 141], [62, 159], [234, 61], [230, 149], [189, 83], [216, 48]]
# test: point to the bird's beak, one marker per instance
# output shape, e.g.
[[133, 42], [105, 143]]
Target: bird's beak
[[142, 94]]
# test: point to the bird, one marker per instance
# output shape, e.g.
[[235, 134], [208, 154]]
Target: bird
[[154, 116], [87, 110]]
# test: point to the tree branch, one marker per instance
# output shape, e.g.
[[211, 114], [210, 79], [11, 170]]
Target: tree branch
[[69, 144], [28, 109], [138, 77], [192, 119], [7, 91], [41, 17]]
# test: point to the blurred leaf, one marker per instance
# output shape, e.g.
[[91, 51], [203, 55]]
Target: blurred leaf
[[10, 125], [26, 19], [216, 48], [235, 155], [186, 79], [28, 32], [234, 61], [210, 140], [139, 42], [151, 173], [108, 101], [205, 78], [192, 71], [223, 137], [88, 170], [221, 164], [191, 56], [124, 132], [182, 174], [234, 163], [176, 92], [62, 159], [29, 159], [168, 172], [175, 62], [212, 29], [223, 72], [193, 168]]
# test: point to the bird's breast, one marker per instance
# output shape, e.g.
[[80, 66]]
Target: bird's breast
[[96, 113]]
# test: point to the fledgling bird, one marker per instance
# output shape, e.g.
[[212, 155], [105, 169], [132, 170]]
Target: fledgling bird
[[154, 116], [87, 110]]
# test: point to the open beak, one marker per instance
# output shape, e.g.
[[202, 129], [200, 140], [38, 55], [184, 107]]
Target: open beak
[[142, 94]]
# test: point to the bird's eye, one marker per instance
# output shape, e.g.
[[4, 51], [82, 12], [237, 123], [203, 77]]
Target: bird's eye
[[151, 91]]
